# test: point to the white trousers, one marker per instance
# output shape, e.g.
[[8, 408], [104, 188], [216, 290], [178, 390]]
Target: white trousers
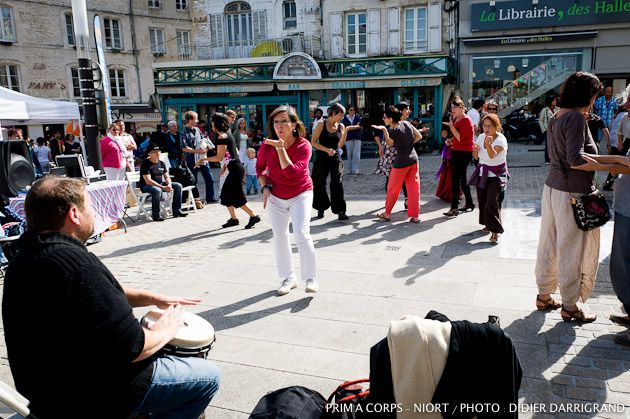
[[115, 174], [296, 210], [567, 256]]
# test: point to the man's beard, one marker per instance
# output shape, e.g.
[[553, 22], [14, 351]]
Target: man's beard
[[86, 232]]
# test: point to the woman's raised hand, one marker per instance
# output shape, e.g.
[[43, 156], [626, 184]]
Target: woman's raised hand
[[279, 143]]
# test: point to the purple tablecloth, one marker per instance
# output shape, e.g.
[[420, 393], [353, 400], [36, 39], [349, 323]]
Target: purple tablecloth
[[108, 201]]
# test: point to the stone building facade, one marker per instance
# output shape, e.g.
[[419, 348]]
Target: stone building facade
[[38, 58]]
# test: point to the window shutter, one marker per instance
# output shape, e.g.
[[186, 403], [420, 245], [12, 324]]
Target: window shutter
[[336, 38], [435, 27], [260, 25], [217, 34], [393, 40], [374, 32]]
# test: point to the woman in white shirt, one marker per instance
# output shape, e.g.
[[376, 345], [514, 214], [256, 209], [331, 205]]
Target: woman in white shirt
[[490, 176], [241, 137]]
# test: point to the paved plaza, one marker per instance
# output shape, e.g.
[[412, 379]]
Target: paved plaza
[[370, 273]]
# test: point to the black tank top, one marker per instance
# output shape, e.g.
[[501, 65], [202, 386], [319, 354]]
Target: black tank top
[[329, 140]]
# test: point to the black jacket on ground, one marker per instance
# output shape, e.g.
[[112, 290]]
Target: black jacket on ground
[[70, 332]]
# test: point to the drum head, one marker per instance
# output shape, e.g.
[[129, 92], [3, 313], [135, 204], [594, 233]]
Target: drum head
[[195, 333]]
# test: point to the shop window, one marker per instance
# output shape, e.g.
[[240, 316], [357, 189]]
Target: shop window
[[356, 33], [69, 29], [416, 29], [156, 37], [289, 14], [184, 48], [76, 88], [181, 4], [7, 31], [117, 82], [113, 39], [9, 77]]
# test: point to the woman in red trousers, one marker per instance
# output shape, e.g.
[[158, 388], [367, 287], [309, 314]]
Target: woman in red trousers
[[402, 136]]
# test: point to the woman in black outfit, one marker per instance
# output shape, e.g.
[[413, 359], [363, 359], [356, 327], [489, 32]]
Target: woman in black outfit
[[329, 136], [232, 194]]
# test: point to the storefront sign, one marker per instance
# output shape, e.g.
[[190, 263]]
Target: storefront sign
[[211, 88], [135, 117], [525, 14], [530, 39], [359, 84]]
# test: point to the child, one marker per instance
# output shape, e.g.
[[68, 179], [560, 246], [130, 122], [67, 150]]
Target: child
[[250, 171]]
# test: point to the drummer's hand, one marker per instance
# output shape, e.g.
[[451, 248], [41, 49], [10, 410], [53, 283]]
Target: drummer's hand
[[170, 322], [165, 301]]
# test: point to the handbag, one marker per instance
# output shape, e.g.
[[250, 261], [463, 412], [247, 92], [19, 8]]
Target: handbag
[[183, 175], [590, 211]]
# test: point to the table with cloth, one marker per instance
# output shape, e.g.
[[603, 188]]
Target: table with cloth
[[108, 202]]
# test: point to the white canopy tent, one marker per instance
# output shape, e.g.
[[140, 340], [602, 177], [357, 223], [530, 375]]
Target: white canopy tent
[[18, 108]]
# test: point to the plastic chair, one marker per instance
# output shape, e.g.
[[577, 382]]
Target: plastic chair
[[189, 204], [14, 400], [141, 197]]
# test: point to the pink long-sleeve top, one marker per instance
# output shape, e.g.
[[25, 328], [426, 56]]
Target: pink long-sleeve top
[[111, 154], [292, 180]]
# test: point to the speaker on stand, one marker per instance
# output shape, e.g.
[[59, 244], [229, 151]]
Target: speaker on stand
[[16, 167]]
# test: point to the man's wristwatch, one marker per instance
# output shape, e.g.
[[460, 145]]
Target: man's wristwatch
[[267, 186]]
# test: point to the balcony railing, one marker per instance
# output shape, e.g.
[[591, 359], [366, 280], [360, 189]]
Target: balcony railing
[[235, 49]]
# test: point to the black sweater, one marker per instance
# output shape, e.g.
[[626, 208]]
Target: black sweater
[[70, 332]]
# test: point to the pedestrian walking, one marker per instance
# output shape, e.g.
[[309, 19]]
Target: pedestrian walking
[[445, 172], [490, 175], [567, 256], [462, 129], [232, 194], [547, 112], [352, 123], [402, 136], [43, 154], [250, 172], [287, 189], [329, 137], [113, 154]]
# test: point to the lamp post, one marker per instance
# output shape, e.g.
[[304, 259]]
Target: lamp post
[[86, 82]]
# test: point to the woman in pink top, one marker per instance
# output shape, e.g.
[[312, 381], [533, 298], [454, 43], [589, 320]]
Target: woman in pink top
[[462, 128], [113, 155], [282, 170]]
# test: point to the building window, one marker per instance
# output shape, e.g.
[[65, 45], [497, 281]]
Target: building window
[[181, 4], [69, 30], [183, 44], [117, 82], [156, 37], [76, 88], [9, 77], [356, 30], [7, 33], [154, 4], [416, 29], [112, 34], [289, 13], [239, 24]]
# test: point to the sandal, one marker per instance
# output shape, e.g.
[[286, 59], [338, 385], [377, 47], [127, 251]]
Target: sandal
[[578, 315], [620, 320], [453, 212], [494, 238], [549, 304], [485, 230], [414, 220], [383, 217]]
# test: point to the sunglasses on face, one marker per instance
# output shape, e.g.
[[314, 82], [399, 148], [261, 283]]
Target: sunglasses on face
[[493, 109]]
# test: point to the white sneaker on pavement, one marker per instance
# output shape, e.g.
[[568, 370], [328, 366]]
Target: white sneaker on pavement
[[311, 285], [287, 285]]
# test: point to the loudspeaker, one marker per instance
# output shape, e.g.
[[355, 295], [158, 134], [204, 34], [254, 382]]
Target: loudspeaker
[[16, 167]]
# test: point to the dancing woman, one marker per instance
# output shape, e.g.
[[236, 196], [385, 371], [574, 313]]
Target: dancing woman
[[328, 138], [287, 188], [232, 194]]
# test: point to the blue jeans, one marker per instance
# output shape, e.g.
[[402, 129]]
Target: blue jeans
[[207, 178], [156, 195], [620, 260], [354, 155], [181, 388], [252, 182]]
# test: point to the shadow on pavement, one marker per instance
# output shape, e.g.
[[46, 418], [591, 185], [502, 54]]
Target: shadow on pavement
[[222, 318]]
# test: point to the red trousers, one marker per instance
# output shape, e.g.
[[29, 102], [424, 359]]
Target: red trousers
[[409, 175]]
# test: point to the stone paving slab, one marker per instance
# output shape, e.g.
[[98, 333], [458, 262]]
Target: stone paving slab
[[371, 273]]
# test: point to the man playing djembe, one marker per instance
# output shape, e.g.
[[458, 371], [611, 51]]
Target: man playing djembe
[[74, 346]]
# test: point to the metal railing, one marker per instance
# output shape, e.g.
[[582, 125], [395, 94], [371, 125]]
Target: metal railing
[[235, 49]]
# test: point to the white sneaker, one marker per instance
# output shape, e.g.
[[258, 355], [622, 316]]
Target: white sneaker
[[287, 285], [311, 285]]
